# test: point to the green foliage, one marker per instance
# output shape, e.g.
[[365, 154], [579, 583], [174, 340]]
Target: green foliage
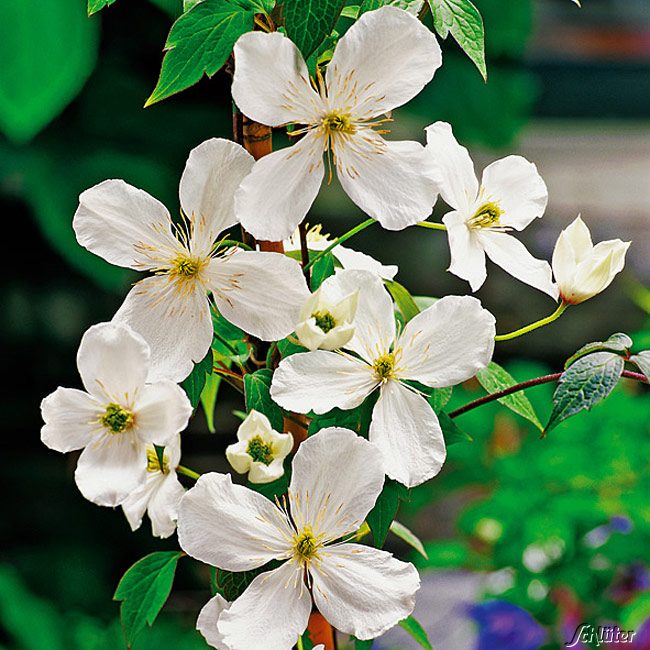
[[322, 269], [403, 300], [193, 385], [439, 398], [414, 628], [48, 49], [96, 5], [362, 645], [495, 378], [619, 342], [143, 590], [381, 517], [209, 399], [257, 392], [309, 22], [451, 431], [408, 5], [199, 43], [463, 20], [584, 383], [231, 585], [642, 361], [229, 343], [408, 536]]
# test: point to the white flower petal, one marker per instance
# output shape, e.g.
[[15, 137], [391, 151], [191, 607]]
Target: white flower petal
[[176, 324], [458, 183], [260, 292], [213, 172], [513, 257], [207, 621], [573, 246], [406, 431], [163, 506], [261, 473], [271, 614], [69, 415], [271, 82], [118, 221], [111, 468], [230, 526], [393, 182], [351, 259], [113, 362], [320, 381], [448, 342], [335, 481], [597, 272], [162, 411], [467, 254], [383, 61], [362, 590], [135, 505], [275, 197], [516, 186]]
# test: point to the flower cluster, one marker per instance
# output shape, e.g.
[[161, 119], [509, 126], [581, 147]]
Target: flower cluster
[[341, 347]]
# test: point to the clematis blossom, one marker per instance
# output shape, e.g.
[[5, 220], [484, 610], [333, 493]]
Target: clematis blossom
[[116, 417], [382, 62], [336, 479], [510, 196], [260, 292], [443, 345]]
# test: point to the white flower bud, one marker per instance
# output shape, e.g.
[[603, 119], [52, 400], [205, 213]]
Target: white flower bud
[[260, 449], [326, 319], [581, 269]]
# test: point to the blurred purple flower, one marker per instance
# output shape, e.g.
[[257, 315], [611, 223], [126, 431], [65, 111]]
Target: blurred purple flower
[[621, 524], [641, 640], [504, 626], [629, 581]]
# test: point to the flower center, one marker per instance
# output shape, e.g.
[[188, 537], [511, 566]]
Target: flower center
[[337, 123], [324, 320], [153, 462], [306, 545], [384, 366], [487, 215], [186, 267], [259, 451], [117, 419]]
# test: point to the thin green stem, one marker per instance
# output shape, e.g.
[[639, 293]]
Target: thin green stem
[[186, 471], [350, 233], [533, 326], [235, 243], [299, 645], [431, 225]]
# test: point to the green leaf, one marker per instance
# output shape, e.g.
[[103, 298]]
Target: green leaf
[[97, 5], [322, 269], [382, 515], [463, 20], [143, 590], [231, 585], [416, 631], [403, 299], [451, 431], [408, 536], [257, 392], [439, 398], [171, 7], [48, 50], [583, 384], [229, 342], [618, 342], [209, 399], [308, 22], [412, 6], [494, 378], [362, 645], [642, 362], [194, 383], [199, 43]]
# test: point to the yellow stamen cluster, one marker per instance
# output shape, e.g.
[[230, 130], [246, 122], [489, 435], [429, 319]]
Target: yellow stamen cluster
[[486, 216], [337, 123], [306, 545], [186, 267], [153, 462], [384, 366], [324, 320], [117, 419], [259, 451]]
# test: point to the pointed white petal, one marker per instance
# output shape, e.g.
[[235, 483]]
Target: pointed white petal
[[260, 292], [176, 324], [213, 171], [597, 272], [363, 591], [406, 431], [383, 61], [513, 257], [162, 411], [271, 614], [207, 621], [230, 526], [335, 481], [271, 82], [448, 342], [320, 381], [135, 505], [163, 506], [516, 186], [573, 246], [275, 197], [393, 182], [113, 362], [351, 259], [467, 255], [120, 223], [458, 184], [111, 468], [70, 416]]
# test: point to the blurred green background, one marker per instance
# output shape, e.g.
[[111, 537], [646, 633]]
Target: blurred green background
[[568, 88]]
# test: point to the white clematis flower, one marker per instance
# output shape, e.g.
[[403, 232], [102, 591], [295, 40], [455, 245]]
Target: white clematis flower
[[161, 493], [260, 449], [348, 257], [260, 292], [336, 479], [326, 319], [441, 346], [117, 415], [382, 62], [581, 269], [510, 196]]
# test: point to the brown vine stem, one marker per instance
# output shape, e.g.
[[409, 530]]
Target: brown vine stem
[[546, 379]]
